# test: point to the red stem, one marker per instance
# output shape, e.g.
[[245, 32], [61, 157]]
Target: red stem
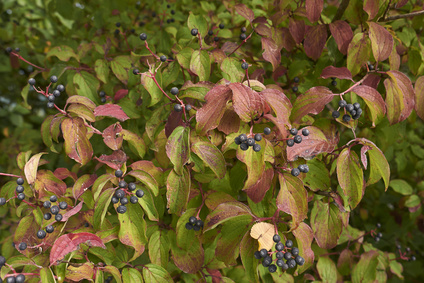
[[9, 175], [243, 42], [26, 61]]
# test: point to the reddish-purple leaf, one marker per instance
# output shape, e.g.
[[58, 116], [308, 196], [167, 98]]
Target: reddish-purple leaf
[[292, 198], [175, 119], [111, 110], [245, 12], [373, 100], [230, 122], [283, 38], [264, 30], [120, 94], [350, 176], [342, 34], [381, 41], [304, 237], [72, 212], [312, 101], [279, 72], [111, 136], [209, 115], [315, 40], [247, 103], [151, 169], [281, 106], [63, 173], [342, 73], [297, 29], [68, 243], [401, 3], [314, 9], [115, 160], [399, 98], [372, 80], [419, 97], [257, 192], [77, 145], [272, 52], [371, 7], [315, 143], [326, 222], [47, 181], [82, 184]]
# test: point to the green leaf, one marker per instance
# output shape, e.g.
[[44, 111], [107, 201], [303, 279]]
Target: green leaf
[[63, 52], [153, 273], [159, 248], [102, 70], [255, 164], [184, 57], [46, 275], [366, 269], [292, 198], [147, 202], [318, 177], [151, 87], [327, 270], [136, 143], [114, 271], [131, 275], [224, 212], [401, 187], [146, 179], [133, 229], [170, 74], [212, 156], [177, 191], [412, 201], [86, 85], [350, 176], [200, 64], [178, 148], [358, 53], [101, 207], [231, 70], [199, 22], [326, 222], [191, 258], [248, 246], [120, 66]]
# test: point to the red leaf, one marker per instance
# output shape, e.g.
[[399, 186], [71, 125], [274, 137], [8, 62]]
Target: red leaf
[[72, 212], [364, 159], [210, 114], [115, 160], [63, 173], [272, 53], [77, 145], [313, 101], [111, 110], [371, 7], [401, 3], [281, 107], [311, 145], [283, 38], [304, 237], [264, 30], [297, 29], [419, 97], [120, 94], [68, 243], [175, 119], [111, 136], [257, 192], [342, 34], [82, 184], [47, 181], [245, 12], [373, 100], [248, 104], [342, 73], [372, 80], [230, 122], [381, 42], [314, 9], [315, 40]]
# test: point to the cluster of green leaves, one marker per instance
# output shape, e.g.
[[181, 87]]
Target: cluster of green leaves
[[187, 162]]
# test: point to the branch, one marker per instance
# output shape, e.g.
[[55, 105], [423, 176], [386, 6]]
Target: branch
[[412, 14], [341, 10]]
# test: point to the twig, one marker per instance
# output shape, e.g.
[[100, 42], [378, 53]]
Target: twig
[[341, 10], [22, 58], [9, 175], [240, 45], [387, 9], [412, 14]]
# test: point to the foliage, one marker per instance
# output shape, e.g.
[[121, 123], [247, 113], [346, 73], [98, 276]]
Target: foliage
[[351, 216]]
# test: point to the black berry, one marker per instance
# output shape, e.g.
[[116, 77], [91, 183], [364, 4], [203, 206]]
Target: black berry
[[10, 279], [187, 107], [53, 198], [163, 58], [121, 209], [346, 118], [122, 184], [291, 263], [258, 137], [63, 205], [296, 79], [20, 278], [243, 29], [256, 148], [293, 131], [178, 108], [22, 246], [257, 255], [272, 268], [49, 229], [356, 105], [289, 243], [244, 66], [56, 93], [216, 39], [20, 181], [378, 225], [21, 196], [267, 131], [342, 103], [188, 226], [53, 79], [19, 189], [174, 90], [221, 26], [297, 139], [124, 200], [243, 36], [295, 89], [199, 223], [250, 141], [143, 36], [267, 261], [413, 258], [2, 201], [276, 238], [60, 88], [114, 200], [353, 112], [243, 138], [31, 81], [50, 104], [279, 255], [136, 71], [132, 186], [244, 147], [295, 251], [287, 255], [102, 93], [118, 24], [305, 132], [47, 216], [54, 209], [41, 234], [2, 260], [303, 168], [133, 199], [119, 193], [333, 83], [299, 260], [280, 262], [279, 246], [264, 253], [196, 228], [139, 193], [349, 107], [58, 217], [335, 114], [210, 32], [290, 143], [194, 32], [47, 204], [237, 140]]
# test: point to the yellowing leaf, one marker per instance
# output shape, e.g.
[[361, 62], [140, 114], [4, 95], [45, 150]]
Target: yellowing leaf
[[263, 232]]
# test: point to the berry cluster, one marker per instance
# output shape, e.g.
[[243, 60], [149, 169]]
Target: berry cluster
[[295, 80], [194, 223], [16, 278], [288, 253], [246, 142], [243, 35], [20, 189], [120, 194], [56, 93], [55, 209], [302, 168], [297, 138], [378, 235], [178, 107], [354, 110], [102, 95], [405, 254], [333, 82]]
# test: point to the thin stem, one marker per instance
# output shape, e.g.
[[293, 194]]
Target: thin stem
[[243, 42], [26, 61], [340, 11], [354, 85], [9, 175], [412, 14], [147, 46], [94, 129], [385, 11], [156, 82]]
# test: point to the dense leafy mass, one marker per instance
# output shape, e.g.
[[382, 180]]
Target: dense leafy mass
[[216, 141]]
